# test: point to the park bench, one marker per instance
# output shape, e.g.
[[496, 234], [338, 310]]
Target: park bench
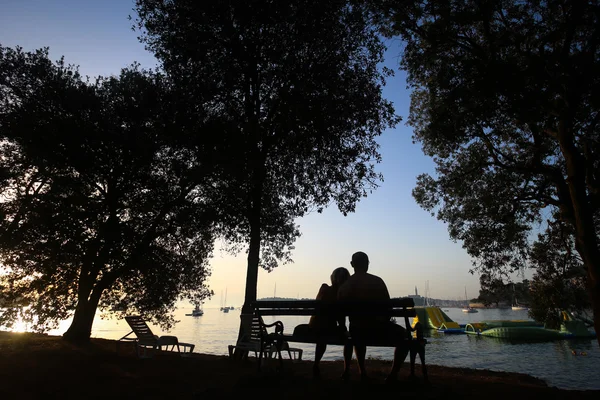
[[402, 308]]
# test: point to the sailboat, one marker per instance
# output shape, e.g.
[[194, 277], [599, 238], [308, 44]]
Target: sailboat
[[225, 308], [468, 309], [516, 306], [426, 301], [197, 311]]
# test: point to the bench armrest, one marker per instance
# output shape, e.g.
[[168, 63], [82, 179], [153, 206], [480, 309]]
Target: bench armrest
[[277, 324]]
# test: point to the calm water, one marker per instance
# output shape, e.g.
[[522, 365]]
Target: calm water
[[550, 361]]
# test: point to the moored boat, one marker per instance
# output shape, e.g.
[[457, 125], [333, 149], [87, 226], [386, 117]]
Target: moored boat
[[516, 306], [468, 309], [196, 312]]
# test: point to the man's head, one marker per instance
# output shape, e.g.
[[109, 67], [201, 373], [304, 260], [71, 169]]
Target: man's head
[[360, 262]]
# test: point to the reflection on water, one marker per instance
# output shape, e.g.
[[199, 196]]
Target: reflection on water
[[552, 361]]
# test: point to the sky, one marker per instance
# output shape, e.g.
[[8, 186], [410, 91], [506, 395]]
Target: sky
[[407, 246]]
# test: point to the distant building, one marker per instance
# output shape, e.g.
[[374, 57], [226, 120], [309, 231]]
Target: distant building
[[419, 300]]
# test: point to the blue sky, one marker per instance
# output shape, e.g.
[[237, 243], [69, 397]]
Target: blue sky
[[406, 245]]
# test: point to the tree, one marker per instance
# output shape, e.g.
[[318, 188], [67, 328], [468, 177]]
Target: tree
[[505, 100], [104, 203], [559, 281], [299, 82], [493, 290]]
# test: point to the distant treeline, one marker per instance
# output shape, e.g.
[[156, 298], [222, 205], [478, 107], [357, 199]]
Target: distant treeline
[[282, 299]]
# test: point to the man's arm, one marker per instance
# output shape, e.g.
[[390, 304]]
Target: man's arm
[[379, 290], [384, 290]]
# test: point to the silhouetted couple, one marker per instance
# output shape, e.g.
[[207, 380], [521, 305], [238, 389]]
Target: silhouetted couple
[[359, 286]]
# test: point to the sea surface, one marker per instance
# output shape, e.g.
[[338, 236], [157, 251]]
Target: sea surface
[[553, 361]]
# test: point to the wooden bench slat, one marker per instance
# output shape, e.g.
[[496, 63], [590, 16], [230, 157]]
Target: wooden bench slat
[[409, 313], [403, 307], [405, 302]]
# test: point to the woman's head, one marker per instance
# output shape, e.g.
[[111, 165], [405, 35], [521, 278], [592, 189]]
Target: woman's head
[[339, 276]]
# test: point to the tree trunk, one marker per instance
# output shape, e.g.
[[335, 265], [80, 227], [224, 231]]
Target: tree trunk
[[596, 308], [254, 213], [253, 248], [586, 241], [253, 259], [252, 107], [81, 327], [254, 219], [88, 298]]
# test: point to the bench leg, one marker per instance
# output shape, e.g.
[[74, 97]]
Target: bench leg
[[280, 359], [260, 357], [266, 352], [401, 357], [400, 354], [278, 345]]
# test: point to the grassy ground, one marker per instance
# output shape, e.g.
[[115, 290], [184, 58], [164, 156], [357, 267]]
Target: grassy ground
[[46, 367]]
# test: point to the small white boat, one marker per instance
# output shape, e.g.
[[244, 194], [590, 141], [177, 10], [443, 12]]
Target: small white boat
[[516, 306], [196, 312], [224, 308], [468, 308]]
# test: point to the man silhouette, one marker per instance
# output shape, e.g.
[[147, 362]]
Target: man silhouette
[[364, 286]]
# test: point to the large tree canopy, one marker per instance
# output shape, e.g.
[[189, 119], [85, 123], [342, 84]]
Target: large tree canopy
[[505, 100], [300, 84], [104, 201]]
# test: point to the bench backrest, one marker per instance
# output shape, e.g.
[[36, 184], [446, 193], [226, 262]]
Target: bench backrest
[[402, 307]]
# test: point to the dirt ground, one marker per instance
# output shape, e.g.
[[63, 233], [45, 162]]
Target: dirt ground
[[36, 366]]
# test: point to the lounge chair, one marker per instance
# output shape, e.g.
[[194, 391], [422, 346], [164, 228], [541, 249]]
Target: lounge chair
[[145, 339]]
